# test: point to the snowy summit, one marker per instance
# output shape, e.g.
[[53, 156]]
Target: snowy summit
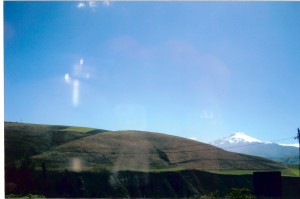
[[241, 137], [242, 143], [235, 138]]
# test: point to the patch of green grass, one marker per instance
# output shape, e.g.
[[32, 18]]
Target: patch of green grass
[[291, 172], [167, 169], [153, 170], [232, 172], [78, 129]]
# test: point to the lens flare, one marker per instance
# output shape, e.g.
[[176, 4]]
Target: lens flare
[[75, 92], [67, 77], [75, 79], [76, 164]]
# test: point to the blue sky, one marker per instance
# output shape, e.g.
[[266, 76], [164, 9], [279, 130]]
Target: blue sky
[[194, 69]]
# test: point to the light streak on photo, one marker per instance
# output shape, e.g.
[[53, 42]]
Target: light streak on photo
[[75, 92]]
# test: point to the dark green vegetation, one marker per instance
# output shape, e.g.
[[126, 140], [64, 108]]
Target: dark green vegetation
[[186, 183], [62, 161], [25, 196]]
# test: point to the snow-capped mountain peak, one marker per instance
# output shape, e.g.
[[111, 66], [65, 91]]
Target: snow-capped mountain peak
[[242, 137], [238, 137], [242, 143]]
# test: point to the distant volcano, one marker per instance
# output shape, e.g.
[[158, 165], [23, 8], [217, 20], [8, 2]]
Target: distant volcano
[[236, 138], [242, 143]]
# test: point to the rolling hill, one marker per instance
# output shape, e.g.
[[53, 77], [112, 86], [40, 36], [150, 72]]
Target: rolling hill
[[137, 150], [84, 149]]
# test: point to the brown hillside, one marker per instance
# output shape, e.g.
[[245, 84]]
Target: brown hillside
[[137, 150]]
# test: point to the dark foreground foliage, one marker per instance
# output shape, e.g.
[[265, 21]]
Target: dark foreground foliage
[[25, 196], [234, 193], [105, 184]]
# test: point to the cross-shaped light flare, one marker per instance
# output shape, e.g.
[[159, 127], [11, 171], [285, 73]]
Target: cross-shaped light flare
[[74, 80]]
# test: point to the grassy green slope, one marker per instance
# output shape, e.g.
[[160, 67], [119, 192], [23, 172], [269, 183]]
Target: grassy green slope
[[145, 151], [23, 139]]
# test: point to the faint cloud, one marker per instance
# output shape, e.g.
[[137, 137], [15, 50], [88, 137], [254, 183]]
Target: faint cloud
[[208, 73], [182, 50], [207, 115], [87, 4], [106, 2], [80, 5], [92, 4], [293, 145], [129, 46]]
